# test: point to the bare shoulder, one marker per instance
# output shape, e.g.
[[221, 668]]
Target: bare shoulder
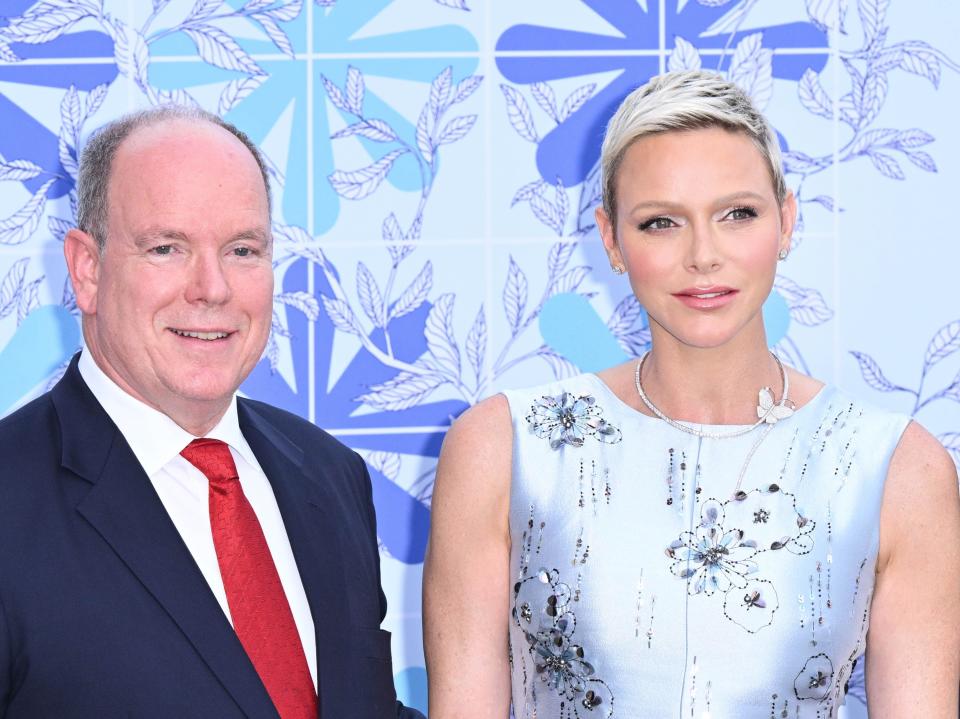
[[921, 466], [476, 457], [921, 491], [487, 420], [917, 445], [482, 434]]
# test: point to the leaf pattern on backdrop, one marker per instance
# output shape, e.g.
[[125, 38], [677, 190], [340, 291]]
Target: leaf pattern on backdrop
[[551, 105]]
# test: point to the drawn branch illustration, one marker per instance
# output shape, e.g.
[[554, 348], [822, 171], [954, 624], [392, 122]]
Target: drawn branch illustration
[[378, 303], [943, 344]]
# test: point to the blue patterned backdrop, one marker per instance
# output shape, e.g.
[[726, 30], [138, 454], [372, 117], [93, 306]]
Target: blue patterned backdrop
[[435, 169]]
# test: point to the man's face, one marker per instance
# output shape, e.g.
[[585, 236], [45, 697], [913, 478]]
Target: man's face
[[180, 309]]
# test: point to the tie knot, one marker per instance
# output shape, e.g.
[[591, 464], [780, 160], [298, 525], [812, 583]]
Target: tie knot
[[213, 458]]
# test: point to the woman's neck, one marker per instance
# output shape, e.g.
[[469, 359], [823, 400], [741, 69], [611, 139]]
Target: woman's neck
[[717, 385]]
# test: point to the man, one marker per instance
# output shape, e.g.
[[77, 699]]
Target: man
[[144, 572]]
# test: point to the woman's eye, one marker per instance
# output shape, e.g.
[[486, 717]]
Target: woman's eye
[[742, 213], [657, 223]]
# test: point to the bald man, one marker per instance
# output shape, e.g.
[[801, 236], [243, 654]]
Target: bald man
[[166, 548]]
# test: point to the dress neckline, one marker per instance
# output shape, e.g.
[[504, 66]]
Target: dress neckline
[[817, 398]]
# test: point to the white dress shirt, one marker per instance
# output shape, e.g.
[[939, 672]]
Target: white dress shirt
[[157, 440]]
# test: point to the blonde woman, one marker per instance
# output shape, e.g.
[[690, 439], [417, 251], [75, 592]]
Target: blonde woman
[[701, 531]]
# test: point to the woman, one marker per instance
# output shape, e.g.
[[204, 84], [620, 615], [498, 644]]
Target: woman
[[703, 531]]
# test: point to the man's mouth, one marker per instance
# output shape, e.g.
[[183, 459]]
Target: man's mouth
[[208, 336]]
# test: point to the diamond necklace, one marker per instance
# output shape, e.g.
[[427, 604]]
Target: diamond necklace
[[767, 411]]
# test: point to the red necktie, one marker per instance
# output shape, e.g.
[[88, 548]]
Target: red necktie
[[261, 615]]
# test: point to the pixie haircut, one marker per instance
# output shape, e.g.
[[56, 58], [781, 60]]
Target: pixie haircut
[[689, 100], [96, 161]]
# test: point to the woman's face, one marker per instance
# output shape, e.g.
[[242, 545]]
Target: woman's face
[[698, 228]]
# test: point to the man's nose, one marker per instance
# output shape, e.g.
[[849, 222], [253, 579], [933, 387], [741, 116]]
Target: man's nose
[[207, 281]]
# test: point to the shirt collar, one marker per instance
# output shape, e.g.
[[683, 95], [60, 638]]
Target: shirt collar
[[154, 438]]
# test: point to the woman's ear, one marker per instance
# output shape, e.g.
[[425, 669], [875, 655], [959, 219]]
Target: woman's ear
[[608, 235], [788, 221]]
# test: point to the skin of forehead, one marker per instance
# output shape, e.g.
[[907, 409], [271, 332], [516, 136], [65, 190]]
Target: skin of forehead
[[166, 140], [656, 138]]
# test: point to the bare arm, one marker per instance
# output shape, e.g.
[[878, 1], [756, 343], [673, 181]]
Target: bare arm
[[913, 647], [466, 573]]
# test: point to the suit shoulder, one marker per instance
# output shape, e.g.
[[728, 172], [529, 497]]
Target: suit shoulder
[[306, 435], [30, 444], [27, 421]]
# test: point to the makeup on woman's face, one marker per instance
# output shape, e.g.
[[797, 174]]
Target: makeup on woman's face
[[698, 228]]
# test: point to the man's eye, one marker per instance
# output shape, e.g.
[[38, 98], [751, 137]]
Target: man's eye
[[162, 250], [657, 223], [242, 251]]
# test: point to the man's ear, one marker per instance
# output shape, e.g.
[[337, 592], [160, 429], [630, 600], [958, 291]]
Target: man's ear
[[83, 262]]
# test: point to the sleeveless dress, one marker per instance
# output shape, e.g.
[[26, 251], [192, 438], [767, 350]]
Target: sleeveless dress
[[647, 584]]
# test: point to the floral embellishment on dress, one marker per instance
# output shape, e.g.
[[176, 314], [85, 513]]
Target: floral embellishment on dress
[[718, 557], [711, 558], [753, 607], [778, 523], [558, 661], [815, 679], [570, 419]]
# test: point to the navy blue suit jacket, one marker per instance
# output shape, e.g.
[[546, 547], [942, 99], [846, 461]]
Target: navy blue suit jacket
[[103, 611]]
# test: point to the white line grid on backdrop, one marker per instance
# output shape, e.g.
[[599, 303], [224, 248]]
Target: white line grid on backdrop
[[434, 168]]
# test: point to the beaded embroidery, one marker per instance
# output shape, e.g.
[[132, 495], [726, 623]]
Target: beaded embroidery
[[541, 610], [569, 419], [769, 577]]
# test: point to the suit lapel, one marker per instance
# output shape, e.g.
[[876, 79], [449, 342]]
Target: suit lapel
[[124, 509], [306, 505]]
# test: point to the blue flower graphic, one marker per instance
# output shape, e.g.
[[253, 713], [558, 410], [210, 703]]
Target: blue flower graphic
[[638, 29], [25, 138]]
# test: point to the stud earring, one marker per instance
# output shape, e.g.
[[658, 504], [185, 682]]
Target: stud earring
[[783, 254], [618, 269]]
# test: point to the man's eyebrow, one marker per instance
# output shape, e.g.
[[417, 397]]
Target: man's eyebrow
[[158, 235], [256, 235]]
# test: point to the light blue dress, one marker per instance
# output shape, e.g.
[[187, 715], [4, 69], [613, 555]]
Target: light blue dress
[[646, 586]]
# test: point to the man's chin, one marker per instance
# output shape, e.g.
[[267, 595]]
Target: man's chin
[[202, 391]]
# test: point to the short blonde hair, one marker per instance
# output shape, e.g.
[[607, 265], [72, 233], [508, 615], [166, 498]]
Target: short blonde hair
[[688, 100]]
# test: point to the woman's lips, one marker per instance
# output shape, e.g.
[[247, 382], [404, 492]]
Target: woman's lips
[[706, 298]]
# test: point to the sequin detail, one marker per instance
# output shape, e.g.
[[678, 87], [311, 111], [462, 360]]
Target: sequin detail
[[815, 679], [713, 559], [787, 562], [560, 663], [719, 558], [568, 419]]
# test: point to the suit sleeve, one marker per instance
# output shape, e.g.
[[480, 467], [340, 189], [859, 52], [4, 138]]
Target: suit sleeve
[[407, 713], [372, 524], [402, 711], [6, 662]]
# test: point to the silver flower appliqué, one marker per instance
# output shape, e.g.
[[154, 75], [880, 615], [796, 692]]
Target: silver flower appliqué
[[569, 419]]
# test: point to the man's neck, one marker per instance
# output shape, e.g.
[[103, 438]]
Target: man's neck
[[195, 417]]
